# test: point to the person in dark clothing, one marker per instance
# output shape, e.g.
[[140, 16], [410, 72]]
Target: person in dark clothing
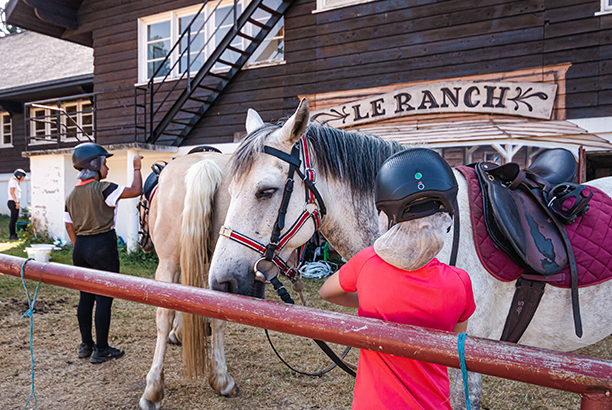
[[14, 196], [90, 221]]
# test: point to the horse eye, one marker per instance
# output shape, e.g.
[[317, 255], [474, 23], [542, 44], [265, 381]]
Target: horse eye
[[265, 193]]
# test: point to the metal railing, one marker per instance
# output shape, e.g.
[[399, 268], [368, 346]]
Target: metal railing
[[589, 377], [156, 83], [67, 121]]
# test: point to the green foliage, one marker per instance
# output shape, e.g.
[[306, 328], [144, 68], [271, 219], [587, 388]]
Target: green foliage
[[24, 214], [137, 259]]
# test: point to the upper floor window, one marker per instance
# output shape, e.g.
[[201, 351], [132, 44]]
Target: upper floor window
[[6, 130], [323, 5], [159, 33], [606, 7]]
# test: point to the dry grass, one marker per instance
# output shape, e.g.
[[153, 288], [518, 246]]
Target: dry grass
[[62, 381]]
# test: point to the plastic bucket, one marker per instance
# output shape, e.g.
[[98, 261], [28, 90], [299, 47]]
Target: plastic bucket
[[39, 254]]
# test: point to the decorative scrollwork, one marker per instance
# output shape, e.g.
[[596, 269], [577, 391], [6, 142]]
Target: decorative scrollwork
[[334, 115], [522, 96]]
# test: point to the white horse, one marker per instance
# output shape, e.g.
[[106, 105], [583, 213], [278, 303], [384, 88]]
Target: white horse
[[185, 215], [346, 165]]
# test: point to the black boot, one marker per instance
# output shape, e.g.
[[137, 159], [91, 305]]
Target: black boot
[[106, 354]]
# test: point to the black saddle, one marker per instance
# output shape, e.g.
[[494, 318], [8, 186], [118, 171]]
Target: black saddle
[[521, 223], [144, 238]]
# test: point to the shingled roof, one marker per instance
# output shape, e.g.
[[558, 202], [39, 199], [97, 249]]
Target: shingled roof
[[30, 58]]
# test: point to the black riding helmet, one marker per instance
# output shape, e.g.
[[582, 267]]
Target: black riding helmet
[[19, 173], [85, 152], [415, 183]]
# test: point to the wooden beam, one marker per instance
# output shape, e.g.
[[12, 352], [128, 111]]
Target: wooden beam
[[54, 13]]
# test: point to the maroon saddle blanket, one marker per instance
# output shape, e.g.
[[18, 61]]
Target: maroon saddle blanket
[[590, 236]]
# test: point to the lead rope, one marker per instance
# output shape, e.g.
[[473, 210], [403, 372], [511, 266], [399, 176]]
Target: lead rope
[[464, 373], [29, 313]]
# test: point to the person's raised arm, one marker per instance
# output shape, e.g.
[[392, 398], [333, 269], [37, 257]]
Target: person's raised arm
[[333, 292], [136, 188]]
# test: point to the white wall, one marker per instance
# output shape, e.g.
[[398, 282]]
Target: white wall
[[4, 196], [53, 178]]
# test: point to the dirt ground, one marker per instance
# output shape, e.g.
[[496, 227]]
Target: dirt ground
[[62, 381]]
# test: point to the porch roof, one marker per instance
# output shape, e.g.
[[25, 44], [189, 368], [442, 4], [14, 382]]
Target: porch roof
[[490, 131], [33, 58]]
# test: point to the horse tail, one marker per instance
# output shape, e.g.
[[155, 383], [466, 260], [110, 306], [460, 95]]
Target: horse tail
[[202, 180]]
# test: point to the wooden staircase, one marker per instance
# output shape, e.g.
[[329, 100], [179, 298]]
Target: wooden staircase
[[180, 115]]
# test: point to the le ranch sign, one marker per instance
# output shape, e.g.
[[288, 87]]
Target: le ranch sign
[[533, 100]]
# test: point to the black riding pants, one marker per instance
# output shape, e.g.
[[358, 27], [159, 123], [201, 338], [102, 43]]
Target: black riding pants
[[96, 252], [14, 216]]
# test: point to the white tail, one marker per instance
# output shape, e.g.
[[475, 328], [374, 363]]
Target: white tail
[[202, 181]]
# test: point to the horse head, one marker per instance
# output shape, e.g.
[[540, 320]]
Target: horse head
[[261, 182]]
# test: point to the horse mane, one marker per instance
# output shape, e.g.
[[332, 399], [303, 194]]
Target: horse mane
[[347, 156]]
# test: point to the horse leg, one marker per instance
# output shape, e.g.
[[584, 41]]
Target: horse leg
[[167, 271], [219, 379], [457, 398], [176, 335]]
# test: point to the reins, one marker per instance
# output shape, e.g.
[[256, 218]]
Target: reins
[[314, 208]]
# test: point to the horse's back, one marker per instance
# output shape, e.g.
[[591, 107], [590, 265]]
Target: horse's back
[[167, 203], [605, 184]]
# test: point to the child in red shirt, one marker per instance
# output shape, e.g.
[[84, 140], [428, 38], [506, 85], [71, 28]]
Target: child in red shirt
[[400, 280]]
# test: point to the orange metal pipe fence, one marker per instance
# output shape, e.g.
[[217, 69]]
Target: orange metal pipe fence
[[589, 377]]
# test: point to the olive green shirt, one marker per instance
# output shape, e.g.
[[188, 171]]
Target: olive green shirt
[[91, 207]]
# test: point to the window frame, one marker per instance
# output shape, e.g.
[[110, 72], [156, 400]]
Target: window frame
[[174, 16], [605, 7], [3, 116], [48, 136], [50, 122], [321, 4], [79, 136]]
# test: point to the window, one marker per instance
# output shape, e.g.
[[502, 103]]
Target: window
[[606, 7], [43, 125], [492, 157], [77, 123], [6, 130], [323, 5], [75, 119], [159, 33]]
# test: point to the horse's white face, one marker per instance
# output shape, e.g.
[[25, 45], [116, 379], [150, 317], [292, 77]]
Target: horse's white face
[[254, 207]]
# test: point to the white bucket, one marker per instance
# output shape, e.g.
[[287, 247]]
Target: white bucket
[[40, 254]]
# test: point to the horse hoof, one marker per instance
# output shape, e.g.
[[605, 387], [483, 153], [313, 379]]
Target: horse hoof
[[173, 340], [234, 393], [148, 405]]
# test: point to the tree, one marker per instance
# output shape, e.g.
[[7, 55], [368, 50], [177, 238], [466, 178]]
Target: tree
[[6, 28]]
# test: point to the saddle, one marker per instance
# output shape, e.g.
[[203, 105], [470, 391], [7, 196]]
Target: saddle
[[525, 212], [148, 189]]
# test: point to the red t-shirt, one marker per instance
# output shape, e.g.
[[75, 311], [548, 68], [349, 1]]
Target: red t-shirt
[[437, 296]]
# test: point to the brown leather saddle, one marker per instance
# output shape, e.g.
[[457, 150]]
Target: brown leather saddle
[[524, 216]]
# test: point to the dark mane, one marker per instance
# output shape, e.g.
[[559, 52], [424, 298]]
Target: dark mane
[[350, 157]]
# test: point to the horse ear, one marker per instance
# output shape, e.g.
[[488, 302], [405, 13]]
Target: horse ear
[[296, 125], [253, 121]]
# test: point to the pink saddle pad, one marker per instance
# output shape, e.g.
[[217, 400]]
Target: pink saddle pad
[[590, 236]]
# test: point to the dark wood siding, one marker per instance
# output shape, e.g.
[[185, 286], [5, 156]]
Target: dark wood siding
[[377, 44], [10, 158]]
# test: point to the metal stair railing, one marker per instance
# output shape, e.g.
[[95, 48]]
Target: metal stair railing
[[194, 107]]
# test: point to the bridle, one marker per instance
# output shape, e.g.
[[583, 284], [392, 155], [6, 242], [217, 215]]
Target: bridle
[[314, 208]]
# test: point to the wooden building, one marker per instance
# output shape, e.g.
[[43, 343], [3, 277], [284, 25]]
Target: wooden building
[[496, 79]]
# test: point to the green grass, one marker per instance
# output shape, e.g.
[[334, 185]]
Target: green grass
[[136, 263]]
